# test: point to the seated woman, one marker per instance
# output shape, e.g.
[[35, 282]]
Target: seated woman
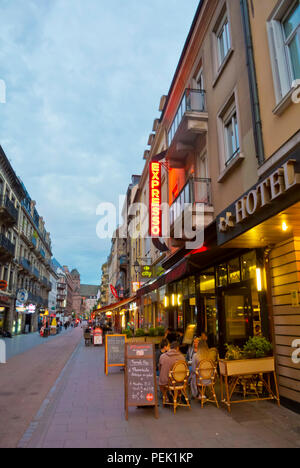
[[203, 352], [192, 350]]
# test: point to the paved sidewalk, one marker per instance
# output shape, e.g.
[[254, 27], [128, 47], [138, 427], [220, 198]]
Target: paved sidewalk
[[86, 410], [25, 382]]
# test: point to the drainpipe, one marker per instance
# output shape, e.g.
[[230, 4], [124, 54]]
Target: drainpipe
[[257, 124]]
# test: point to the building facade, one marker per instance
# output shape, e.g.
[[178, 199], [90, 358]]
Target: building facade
[[76, 294], [90, 295], [11, 196], [224, 160], [34, 264]]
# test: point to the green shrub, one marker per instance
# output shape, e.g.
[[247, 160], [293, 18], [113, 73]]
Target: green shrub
[[257, 347], [140, 332], [128, 333], [152, 331], [233, 352], [160, 331]]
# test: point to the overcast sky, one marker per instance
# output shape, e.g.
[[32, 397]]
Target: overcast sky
[[84, 80]]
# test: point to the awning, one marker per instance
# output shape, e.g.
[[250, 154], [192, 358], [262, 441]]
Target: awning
[[112, 307]]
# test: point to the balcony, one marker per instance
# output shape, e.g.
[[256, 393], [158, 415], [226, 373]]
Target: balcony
[[123, 262], [46, 283], [190, 121], [8, 213], [61, 286], [25, 265], [196, 194], [7, 249], [33, 242], [35, 271]]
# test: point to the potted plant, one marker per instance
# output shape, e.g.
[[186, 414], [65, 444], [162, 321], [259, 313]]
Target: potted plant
[[139, 335], [255, 358], [160, 331]]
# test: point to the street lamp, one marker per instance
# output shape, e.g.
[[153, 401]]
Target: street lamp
[[136, 266]]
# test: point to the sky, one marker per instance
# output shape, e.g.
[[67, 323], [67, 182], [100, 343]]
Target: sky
[[83, 83]]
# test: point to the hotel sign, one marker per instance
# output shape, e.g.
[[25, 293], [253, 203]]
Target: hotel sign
[[260, 203], [155, 217]]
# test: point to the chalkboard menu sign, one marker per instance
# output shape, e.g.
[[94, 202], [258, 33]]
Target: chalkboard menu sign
[[140, 376], [114, 351]]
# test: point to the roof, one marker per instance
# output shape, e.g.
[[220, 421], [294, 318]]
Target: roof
[[75, 272], [89, 290]]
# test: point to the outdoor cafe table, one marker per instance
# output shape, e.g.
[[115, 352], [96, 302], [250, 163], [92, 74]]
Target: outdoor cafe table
[[234, 372]]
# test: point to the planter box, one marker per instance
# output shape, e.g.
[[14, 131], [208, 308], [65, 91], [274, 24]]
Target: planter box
[[137, 339], [146, 339], [247, 366]]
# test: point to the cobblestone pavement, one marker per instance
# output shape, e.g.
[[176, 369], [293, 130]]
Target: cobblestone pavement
[[25, 381], [85, 409]]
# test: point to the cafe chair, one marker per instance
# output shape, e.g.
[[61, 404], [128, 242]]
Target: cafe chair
[[177, 386], [206, 375]]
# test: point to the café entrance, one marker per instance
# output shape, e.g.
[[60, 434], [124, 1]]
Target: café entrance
[[236, 315]]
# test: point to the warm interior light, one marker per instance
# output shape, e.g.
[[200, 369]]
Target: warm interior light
[[284, 226], [173, 299], [258, 279], [179, 300], [166, 301]]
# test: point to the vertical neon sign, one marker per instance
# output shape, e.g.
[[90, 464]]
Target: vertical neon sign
[[155, 229]]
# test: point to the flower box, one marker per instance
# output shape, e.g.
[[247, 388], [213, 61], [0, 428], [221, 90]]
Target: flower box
[[247, 366]]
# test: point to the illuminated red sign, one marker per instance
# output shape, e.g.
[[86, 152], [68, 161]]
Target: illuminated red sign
[[114, 291], [155, 200]]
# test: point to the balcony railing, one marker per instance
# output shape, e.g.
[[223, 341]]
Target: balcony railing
[[8, 206], [36, 273], [46, 283], [25, 264], [196, 191], [6, 245], [193, 101]]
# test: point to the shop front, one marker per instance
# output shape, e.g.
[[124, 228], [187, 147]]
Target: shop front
[[232, 301], [6, 307], [266, 219]]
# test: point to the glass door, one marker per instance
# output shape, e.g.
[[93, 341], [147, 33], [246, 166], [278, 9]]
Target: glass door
[[236, 316]]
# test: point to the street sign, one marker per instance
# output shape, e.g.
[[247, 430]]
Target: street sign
[[114, 291], [22, 295], [3, 285]]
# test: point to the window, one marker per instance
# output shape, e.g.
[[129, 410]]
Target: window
[[231, 138], [284, 41], [223, 38], [291, 32]]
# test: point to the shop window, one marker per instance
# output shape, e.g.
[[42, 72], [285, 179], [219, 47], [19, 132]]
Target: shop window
[[2, 312], [208, 282], [234, 271], [248, 264], [186, 287], [222, 275], [192, 286]]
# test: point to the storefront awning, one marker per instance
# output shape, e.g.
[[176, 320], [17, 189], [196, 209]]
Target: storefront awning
[[115, 306]]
